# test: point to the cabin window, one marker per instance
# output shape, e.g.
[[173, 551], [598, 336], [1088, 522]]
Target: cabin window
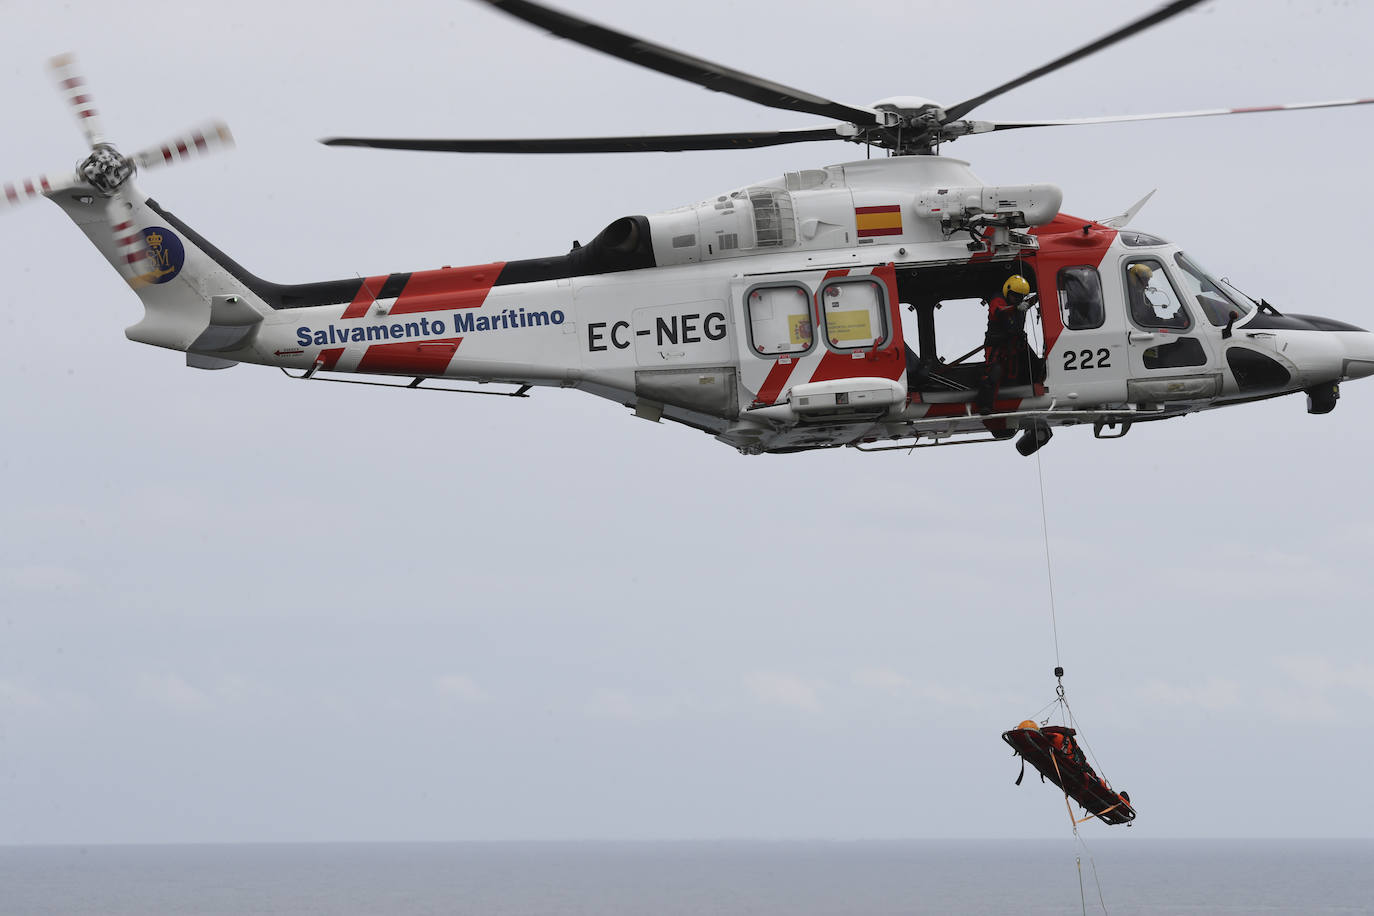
[[779, 319], [1080, 298], [1151, 298], [855, 314]]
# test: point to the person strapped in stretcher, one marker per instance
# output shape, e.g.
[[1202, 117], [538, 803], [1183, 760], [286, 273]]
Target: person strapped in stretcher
[[1053, 750]]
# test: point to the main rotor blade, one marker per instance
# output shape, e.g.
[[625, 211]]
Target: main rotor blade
[[1164, 116], [666, 143], [1126, 31], [712, 76]]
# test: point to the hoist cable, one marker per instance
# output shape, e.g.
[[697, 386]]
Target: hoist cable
[[1063, 702], [1049, 565], [1045, 524]]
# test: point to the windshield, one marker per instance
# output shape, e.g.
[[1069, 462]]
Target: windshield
[[1217, 298]]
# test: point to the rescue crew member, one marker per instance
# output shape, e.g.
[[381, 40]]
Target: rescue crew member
[[1004, 345]]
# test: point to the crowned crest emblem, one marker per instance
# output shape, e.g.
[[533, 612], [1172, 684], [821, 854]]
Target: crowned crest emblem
[[166, 254]]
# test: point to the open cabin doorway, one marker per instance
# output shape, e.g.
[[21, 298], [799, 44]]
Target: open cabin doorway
[[944, 319]]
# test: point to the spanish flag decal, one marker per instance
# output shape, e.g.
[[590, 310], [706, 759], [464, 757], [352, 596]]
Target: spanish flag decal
[[873, 221]]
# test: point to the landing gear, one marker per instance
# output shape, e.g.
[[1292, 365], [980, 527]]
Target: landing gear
[[1034, 438], [1323, 398]]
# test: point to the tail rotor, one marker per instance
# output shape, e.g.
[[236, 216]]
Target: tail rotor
[[12, 194], [107, 171], [72, 85], [207, 138]]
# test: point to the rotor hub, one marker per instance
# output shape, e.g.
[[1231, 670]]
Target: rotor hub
[[909, 110], [105, 169]]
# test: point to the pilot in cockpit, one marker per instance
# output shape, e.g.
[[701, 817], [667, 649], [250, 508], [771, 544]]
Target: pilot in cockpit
[[1142, 310]]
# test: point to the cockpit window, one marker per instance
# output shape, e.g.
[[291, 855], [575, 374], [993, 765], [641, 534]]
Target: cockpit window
[[1216, 297], [1151, 297]]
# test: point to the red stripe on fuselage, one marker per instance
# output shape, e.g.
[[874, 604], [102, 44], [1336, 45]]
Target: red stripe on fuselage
[[448, 288], [328, 359], [367, 294], [430, 357], [773, 384]]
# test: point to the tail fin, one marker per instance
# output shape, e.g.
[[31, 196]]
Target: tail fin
[[191, 302]]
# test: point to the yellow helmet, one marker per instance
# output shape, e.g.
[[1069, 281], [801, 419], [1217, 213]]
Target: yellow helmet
[[1142, 273], [1029, 723], [1016, 284]]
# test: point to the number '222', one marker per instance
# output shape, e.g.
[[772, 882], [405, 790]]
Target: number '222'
[[1083, 359]]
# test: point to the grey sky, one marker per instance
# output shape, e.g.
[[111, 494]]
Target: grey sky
[[235, 607]]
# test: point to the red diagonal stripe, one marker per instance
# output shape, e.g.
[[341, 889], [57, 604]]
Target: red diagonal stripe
[[71, 82], [11, 193], [367, 294], [447, 288], [328, 359], [777, 377]]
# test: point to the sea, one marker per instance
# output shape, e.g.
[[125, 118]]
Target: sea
[[758, 878]]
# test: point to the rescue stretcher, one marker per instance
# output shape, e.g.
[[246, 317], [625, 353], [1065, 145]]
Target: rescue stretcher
[[1069, 770]]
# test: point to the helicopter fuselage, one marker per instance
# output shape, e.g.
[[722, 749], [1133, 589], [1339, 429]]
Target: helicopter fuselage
[[802, 312]]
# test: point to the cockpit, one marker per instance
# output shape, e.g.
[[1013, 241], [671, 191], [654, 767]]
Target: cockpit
[[1218, 300]]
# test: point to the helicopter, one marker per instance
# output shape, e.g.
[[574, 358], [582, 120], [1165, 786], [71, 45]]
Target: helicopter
[[801, 312]]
